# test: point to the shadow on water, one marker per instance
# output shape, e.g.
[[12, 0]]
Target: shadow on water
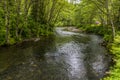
[[64, 56]]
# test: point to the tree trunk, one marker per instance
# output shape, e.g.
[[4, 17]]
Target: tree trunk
[[6, 20], [18, 2]]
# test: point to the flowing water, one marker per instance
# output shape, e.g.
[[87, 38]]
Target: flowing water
[[65, 56]]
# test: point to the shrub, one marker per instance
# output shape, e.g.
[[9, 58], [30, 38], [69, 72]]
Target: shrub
[[115, 70]]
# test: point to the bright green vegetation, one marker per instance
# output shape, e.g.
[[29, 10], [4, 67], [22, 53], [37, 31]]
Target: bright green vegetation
[[102, 17], [99, 16], [115, 49], [25, 19]]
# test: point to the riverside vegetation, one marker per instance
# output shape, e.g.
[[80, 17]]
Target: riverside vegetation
[[25, 19], [102, 17]]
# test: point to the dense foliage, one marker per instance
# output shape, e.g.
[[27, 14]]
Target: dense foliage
[[23, 19], [101, 13], [115, 49], [102, 17]]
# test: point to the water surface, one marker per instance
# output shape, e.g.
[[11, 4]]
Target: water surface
[[65, 56]]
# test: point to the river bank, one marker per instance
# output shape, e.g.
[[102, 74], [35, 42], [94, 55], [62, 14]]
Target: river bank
[[113, 49], [114, 72], [72, 29]]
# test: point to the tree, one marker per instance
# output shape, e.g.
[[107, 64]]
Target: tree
[[104, 11], [21, 19]]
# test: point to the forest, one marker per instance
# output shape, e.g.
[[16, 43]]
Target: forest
[[21, 19], [27, 19]]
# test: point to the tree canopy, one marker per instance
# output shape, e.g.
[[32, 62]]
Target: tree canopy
[[21, 19]]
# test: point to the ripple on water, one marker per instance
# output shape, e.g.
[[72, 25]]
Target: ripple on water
[[67, 56]]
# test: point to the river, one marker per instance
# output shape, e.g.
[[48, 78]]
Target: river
[[64, 56]]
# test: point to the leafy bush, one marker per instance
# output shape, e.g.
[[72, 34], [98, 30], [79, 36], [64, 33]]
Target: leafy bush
[[97, 30], [115, 49], [2, 37]]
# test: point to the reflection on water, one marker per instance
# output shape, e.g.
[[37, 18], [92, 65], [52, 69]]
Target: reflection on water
[[65, 56], [74, 58]]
